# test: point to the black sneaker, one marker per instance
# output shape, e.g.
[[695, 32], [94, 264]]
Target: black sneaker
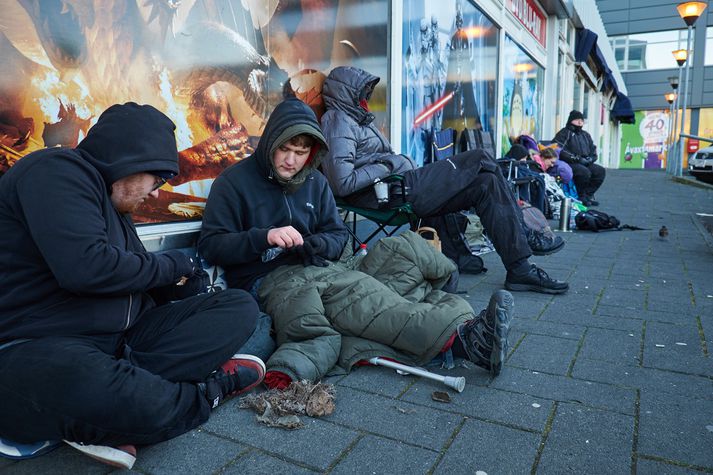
[[238, 375], [485, 338], [535, 280], [542, 244]]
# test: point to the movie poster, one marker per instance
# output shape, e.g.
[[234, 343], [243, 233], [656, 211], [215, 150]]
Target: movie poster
[[215, 67], [450, 66], [523, 86]]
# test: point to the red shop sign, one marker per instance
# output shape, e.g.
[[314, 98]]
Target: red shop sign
[[531, 17]]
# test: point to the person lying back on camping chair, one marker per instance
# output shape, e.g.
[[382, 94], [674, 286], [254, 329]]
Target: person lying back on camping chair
[[359, 154]]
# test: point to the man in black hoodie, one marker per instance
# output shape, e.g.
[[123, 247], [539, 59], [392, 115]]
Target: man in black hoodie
[[579, 151], [273, 208], [91, 352]]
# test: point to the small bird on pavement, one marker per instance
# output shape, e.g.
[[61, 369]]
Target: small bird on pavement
[[663, 232]]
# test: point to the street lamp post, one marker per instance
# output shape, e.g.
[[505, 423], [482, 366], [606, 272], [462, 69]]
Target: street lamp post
[[689, 11], [680, 55]]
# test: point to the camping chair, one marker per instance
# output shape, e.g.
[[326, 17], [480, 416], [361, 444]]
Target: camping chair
[[387, 220], [509, 169]]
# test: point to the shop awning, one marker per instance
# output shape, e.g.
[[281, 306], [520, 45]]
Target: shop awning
[[585, 47], [622, 110]]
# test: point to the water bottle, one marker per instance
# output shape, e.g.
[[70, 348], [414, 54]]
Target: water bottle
[[353, 261], [362, 250], [565, 210]]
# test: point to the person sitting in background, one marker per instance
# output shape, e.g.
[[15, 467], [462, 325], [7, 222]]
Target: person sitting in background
[[580, 153], [359, 155]]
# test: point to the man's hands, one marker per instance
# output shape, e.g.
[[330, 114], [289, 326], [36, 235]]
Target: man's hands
[[310, 252], [310, 249], [285, 237]]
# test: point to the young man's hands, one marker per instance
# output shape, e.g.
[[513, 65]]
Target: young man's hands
[[285, 237], [310, 248]]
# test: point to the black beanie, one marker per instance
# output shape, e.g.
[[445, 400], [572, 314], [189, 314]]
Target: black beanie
[[518, 152], [574, 115]]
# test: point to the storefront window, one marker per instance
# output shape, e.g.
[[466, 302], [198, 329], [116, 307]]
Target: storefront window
[[216, 68], [522, 95], [558, 89], [450, 54], [709, 46], [585, 102], [648, 50], [577, 95]]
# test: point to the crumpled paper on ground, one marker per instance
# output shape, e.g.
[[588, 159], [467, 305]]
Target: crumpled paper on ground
[[276, 408]]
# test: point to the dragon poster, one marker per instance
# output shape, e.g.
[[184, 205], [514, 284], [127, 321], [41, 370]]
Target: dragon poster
[[216, 67]]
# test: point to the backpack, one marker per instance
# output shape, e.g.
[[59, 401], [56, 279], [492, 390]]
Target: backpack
[[535, 220], [442, 145], [451, 229], [593, 220]]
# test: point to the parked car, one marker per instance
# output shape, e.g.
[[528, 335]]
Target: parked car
[[700, 164]]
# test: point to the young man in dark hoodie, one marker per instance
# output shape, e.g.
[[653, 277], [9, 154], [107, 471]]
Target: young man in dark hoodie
[[91, 352], [275, 209], [579, 151], [359, 154]]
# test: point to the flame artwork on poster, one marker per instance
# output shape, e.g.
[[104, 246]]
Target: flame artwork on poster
[[215, 67]]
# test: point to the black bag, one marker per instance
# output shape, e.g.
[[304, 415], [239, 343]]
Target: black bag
[[451, 230], [593, 220], [472, 139]]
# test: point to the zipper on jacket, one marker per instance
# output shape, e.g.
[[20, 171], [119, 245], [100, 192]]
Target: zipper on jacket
[[287, 202], [128, 313]]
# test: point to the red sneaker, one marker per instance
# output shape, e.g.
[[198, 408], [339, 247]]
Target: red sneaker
[[238, 375]]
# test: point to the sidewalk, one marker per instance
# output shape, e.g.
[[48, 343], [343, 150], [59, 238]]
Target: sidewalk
[[614, 377]]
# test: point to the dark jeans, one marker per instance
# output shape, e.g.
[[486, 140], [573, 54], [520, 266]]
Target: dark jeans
[[588, 178], [138, 387]]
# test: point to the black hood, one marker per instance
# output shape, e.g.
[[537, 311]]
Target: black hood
[[290, 118], [131, 138], [345, 87]]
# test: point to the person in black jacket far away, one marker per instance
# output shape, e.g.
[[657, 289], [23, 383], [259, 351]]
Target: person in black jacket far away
[[579, 151], [92, 352]]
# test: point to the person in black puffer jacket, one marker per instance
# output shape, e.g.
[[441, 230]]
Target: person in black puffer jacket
[[579, 151], [91, 350], [359, 154]]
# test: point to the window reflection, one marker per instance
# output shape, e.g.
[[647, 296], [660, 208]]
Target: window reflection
[[648, 50]]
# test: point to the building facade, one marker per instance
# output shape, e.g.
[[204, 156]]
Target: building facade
[[218, 67], [643, 35]]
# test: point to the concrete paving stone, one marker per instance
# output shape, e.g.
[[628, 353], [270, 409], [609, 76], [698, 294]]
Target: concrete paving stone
[[193, 452], [427, 427], [591, 272], [539, 327], [654, 467], [377, 455], [678, 428], [633, 313], [383, 381], [585, 439], [629, 268], [615, 323], [62, 460], [489, 448], [611, 345], [681, 305], [259, 463], [627, 280], [567, 315], [646, 379], [560, 388], [4, 462], [520, 410], [676, 348], [544, 353], [240, 425], [628, 297]]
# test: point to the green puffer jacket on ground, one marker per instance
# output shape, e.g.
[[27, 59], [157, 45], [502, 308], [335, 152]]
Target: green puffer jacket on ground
[[387, 306]]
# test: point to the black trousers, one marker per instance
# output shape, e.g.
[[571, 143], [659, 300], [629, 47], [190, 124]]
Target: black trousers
[[133, 388], [587, 178], [467, 180]]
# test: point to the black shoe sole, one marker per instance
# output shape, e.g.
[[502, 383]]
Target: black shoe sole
[[534, 288], [502, 302], [549, 251]]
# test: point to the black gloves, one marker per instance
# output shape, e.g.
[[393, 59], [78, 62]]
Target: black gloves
[[185, 265], [197, 283], [193, 279], [311, 251]]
